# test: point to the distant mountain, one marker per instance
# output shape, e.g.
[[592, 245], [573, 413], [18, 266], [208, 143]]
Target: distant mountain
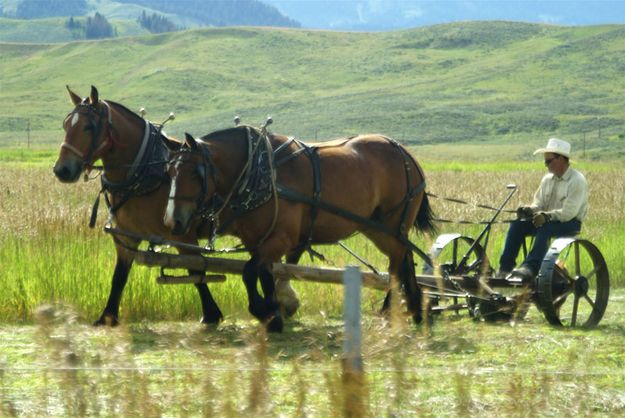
[[396, 14]]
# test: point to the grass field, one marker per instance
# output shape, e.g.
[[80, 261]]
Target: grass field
[[56, 277], [458, 367]]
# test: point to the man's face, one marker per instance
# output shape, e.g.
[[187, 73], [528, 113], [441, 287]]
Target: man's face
[[555, 163]]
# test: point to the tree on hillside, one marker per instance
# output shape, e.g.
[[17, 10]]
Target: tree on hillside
[[222, 12], [156, 23], [98, 27], [34, 9], [72, 23]]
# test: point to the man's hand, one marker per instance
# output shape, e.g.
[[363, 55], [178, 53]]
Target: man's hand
[[524, 212], [540, 218]]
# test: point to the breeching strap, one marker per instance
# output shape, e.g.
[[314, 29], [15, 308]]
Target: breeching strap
[[292, 195]]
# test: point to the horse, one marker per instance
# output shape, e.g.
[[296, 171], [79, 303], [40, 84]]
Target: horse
[[279, 196], [134, 154]]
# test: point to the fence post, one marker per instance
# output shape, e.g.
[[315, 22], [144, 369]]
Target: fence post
[[353, 375]]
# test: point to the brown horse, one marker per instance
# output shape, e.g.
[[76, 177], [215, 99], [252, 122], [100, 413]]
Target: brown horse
[[134, 154], [279, 196]]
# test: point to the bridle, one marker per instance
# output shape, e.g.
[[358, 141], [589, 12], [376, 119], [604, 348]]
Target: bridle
[[96, 126], [203, 171]]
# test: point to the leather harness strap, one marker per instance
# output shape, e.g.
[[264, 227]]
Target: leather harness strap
[[316, 203]]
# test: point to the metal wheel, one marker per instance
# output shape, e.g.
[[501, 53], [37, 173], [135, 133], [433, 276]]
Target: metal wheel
[[448, 251], [573, 284]]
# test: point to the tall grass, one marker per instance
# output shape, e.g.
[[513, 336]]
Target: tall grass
[[56, 275], [48, 253]]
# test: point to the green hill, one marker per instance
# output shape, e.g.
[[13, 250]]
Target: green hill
[[480, 83], [34, 20]]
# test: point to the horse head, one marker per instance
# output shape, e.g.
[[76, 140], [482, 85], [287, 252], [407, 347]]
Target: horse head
[[193, 185], [87, 136]]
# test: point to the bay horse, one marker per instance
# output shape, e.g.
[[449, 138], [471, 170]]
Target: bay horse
[[134, 154], [280, 195]]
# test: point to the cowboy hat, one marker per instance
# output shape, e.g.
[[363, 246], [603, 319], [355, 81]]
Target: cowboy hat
[[556, 146]]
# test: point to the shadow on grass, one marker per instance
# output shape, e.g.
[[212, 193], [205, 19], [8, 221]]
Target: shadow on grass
[[299, 339]]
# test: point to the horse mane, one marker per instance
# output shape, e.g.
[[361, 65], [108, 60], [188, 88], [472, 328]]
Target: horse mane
[[172, 144], [227, 131], [124, 108]]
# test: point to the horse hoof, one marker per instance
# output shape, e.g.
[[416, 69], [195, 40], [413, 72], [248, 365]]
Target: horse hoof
[[212, 319], [418, 319], [106, 321], [289, 309], [276, 324], [287, 298]]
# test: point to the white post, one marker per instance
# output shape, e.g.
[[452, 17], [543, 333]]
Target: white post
[[354, 388], [351, 316]]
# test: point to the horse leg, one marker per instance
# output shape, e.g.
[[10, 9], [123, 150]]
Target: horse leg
[[120, 277], [211, 314], [412, 290], [256, 305], [275, 324], [266, 308], [386, 305]]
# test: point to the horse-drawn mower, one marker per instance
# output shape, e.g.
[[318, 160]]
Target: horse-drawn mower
[[571, 288]]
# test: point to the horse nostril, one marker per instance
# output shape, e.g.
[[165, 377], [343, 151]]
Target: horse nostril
[[178, 229], [67, 172], [61, 172]]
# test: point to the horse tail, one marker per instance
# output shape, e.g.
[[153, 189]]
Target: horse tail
[[425, 217]]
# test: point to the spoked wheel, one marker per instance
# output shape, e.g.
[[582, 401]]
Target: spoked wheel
[[573, 284], [448, 251]]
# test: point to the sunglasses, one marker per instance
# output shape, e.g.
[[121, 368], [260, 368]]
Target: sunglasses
[[549, 160]]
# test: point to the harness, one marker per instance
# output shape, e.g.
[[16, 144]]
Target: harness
[[146, 173], [256, 184], [316, 203]]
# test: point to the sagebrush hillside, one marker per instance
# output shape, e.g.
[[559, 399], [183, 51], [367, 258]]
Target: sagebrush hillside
[[486, 82]]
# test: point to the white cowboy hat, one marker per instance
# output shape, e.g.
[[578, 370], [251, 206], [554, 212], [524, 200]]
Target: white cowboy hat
[[556, 146]]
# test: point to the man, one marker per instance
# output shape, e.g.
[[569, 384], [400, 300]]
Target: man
[[559, 207]]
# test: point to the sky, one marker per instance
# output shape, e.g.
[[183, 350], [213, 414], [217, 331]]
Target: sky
[[398, 14]]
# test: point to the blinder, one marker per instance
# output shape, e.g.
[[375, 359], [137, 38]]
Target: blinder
[[203, 172]]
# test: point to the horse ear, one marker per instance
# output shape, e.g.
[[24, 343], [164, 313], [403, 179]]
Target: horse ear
[[76, 99], [94, 96], [191, 142]]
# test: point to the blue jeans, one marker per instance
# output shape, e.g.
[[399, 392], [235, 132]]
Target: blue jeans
[[517, 232]]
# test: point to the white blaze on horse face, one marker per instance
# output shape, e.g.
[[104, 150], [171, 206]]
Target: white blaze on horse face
[[74, 119], [169, 212]]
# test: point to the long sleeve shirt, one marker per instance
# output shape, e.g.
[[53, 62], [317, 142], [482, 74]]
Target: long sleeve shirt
[[563, 198]]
